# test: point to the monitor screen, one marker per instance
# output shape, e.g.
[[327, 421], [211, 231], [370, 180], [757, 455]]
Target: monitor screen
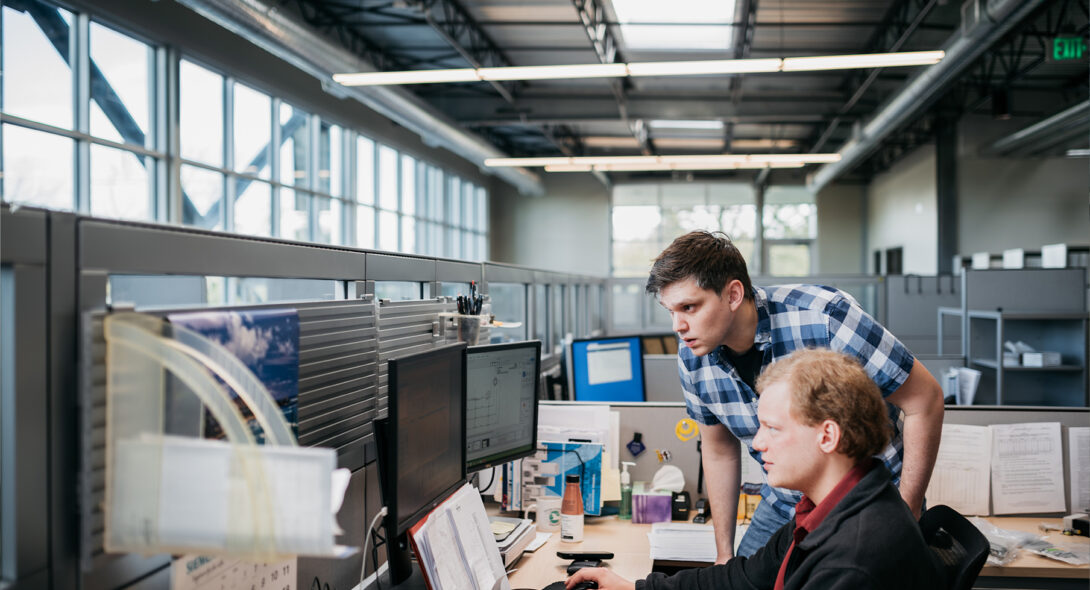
[[607, 370], [501, 402], [427, 431]]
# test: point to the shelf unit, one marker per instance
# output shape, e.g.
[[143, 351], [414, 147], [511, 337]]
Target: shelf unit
[[1063, 332]]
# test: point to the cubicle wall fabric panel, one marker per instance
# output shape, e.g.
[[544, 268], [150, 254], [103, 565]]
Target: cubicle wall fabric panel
[[406, 327], [338, 382]]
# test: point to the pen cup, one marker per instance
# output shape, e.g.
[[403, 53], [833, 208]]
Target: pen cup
[[468, 328]]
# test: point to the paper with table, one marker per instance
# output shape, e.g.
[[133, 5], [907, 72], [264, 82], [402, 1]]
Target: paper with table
[[962, 475], [1027, 468], [455, 546], [1078, 463]]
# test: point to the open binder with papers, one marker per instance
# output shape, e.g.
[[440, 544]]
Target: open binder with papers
[[455, 545], [176, 494]]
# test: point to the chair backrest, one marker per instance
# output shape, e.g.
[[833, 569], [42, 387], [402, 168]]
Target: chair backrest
[[960, 547]]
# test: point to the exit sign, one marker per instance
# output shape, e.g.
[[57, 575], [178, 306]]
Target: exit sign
[[1068, 48]]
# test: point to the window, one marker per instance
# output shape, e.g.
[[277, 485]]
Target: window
[[249, 161], [647, 217], [508, 305]]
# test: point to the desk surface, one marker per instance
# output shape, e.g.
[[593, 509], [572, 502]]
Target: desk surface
[[632, 559]]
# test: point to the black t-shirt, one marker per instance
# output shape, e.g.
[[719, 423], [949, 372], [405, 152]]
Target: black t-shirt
[[748, 364]]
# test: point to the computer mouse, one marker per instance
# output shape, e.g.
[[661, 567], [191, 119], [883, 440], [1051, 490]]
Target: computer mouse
[[585, 584]]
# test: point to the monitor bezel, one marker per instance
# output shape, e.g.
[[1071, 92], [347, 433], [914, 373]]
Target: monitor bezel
[[401, 526], [639, 355], [536, 344]]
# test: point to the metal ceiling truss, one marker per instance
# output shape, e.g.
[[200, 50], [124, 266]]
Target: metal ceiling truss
[[330, 18], [592, 17], [1012, 59], [742, 45], [1015, 57], [900, 22]]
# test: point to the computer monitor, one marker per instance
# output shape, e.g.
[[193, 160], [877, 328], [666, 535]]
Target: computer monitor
[[607, 369], [501, 402], [421, 443]]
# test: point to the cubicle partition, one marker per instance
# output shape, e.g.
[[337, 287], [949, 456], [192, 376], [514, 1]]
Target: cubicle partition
[[60, 274]]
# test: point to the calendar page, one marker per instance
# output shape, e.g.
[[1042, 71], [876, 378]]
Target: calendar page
[[198, 572]]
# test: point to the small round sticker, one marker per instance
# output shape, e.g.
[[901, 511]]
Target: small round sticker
[[686, 429]]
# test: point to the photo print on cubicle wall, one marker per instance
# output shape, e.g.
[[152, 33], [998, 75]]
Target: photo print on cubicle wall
[[267, 342]]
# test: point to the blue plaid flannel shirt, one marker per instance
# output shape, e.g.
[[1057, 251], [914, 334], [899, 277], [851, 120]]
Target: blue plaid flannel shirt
[[791, 317]]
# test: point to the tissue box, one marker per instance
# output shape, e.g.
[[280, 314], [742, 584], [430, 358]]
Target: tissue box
[[649, 506], [1041, 359]]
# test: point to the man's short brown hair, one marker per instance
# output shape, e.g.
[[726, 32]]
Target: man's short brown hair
[[708, 257], [828, 385]]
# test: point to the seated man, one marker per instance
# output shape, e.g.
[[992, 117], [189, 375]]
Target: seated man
[[821, 421]]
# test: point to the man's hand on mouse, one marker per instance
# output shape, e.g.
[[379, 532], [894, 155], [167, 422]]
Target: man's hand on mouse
[[606, 579]]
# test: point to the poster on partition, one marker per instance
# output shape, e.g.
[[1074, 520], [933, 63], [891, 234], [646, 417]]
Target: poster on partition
[[267, 342]]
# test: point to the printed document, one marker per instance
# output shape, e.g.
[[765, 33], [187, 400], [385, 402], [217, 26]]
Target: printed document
[[1027, 468], [456, 548], [1078, 465], [962, 474]]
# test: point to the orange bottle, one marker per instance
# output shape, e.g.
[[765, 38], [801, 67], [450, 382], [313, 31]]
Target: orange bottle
[[571, 511]]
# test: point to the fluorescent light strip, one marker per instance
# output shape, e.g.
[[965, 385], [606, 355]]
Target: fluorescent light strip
[[763, 160], [663, 68], [669, 167]]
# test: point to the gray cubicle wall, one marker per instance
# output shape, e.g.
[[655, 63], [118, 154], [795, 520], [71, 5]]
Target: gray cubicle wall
[[912, 303], [656, 421], [59, 270], [26, 538]]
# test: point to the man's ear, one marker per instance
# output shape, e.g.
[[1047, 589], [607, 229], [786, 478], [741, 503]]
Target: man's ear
[[828, 436], [736, 294]]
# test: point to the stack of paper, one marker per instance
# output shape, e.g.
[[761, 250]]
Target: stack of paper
[[455, 546], [682, 541]]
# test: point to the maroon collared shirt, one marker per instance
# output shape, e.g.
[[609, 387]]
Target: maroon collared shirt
[[809, 517]]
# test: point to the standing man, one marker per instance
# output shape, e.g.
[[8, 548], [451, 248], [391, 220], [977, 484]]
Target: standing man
[[822, 422], [732, 330]]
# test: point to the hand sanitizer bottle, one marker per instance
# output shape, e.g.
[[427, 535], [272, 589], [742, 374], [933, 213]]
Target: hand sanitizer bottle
[[625, 512]]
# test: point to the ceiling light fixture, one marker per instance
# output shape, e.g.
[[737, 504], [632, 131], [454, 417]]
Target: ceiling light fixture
[[707, 124], [693, 162], [620, 70], [664, 167]]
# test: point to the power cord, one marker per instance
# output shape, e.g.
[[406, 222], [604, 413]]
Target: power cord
[[366, 541]]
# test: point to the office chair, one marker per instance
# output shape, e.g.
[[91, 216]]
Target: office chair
[[959, 546]]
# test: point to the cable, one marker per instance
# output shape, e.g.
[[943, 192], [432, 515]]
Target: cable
[[366, 541], [490, 481]]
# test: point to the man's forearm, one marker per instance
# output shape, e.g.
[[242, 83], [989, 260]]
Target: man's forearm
[[921, 399], [722, 473]]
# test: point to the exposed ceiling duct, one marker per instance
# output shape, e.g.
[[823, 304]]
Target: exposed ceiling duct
[[984, 22], [298, 45], [1059, 128]]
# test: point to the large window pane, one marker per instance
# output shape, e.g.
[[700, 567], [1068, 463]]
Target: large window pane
[[293, 146], [252, 131], [509, 305], [201, 112], [387, 231], [455, 192], [792, 260], [408, 185], [294, 215], [398, 290], [797, 220], [435, 205], [408, 234], [482, 209], [365, 171], [122, 96], [330, 169], [633, 259], [202, 198], [636, 223], [556, 315], [541, 315], [37, 82], [37, 167], [329, 220], [469, 202], [120, 184], [387, 178], [365, 227], [253, 208]]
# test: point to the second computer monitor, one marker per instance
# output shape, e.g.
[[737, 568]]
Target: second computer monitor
[[501, 402], [607, 370]]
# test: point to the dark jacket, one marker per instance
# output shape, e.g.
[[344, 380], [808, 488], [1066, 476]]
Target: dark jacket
[[869, 540]]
